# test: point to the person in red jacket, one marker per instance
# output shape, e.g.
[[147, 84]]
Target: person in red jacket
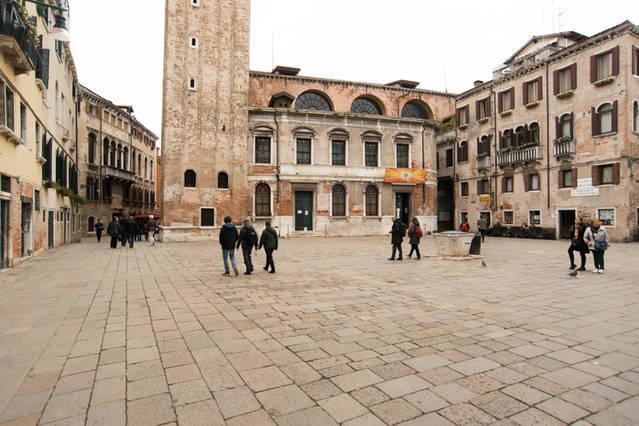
[[415, 234]]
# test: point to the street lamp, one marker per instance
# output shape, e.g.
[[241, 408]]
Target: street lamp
[[60, 30]]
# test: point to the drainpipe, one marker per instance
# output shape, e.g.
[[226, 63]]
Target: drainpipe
[[547, 138], [277, 159], [493, 96], [423, 165], [100, 111]]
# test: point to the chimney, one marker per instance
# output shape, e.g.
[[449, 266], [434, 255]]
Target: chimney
[[477, 83]]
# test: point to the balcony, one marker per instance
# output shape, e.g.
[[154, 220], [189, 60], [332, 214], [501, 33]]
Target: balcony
[[517, 155], [565, 146], [483, 162], [114, 172], [16, 41]]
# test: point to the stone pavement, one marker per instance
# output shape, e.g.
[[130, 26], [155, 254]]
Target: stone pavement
[[340, 335]]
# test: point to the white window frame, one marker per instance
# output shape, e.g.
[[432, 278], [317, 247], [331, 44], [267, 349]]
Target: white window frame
[[192, 88], [530, 188], [379, 200], [270, 137], [504, 217], [532, 85], [541, 217], [512, 185], [467, 189], [461, 217], [255, 200], [312, 139], [330, 151], [410, 153], [614, 209], [561, 124], [563, 183], [379, 147], [214, 217], [346, 199]]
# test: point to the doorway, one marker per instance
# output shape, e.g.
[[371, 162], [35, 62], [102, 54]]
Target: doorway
[[486, 215], [51, 228], [25, 230], [303, 210], [445, 204], [566, 221], [4, 233], [402, 207]]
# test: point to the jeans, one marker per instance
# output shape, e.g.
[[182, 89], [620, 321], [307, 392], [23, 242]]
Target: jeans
[[114, 241], [225, 255], [131, 238], [483, 233], [415, 248], [598, 257], [397, 247], [571, 255], [248, 262], [269, 259]]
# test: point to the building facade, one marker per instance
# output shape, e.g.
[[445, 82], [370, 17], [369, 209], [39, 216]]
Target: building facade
[[312, 155], [38, 150], [554, 135], [117, 160]]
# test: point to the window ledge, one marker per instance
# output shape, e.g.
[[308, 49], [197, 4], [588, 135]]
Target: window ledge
[[506, 113], [338, 217], [606, 185], [603, 135], [263, 217], [534, 190], [566, 94], [604, 81], [373, 217], [483, 120], [462, 126], [532, 104]]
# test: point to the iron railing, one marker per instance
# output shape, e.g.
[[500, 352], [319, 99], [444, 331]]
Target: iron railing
[[19, 31], [565, 146], [518, 155]]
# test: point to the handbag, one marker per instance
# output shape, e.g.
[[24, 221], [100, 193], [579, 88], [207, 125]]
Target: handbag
[[601, 245]]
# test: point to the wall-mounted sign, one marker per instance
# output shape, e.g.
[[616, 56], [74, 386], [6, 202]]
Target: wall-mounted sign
[[584, 191], [485, 198], [398, 175]]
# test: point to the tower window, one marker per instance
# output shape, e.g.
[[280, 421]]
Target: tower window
[[194, 42], [195, 2], [192, 84]]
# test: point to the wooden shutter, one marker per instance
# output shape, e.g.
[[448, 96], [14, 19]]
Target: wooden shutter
[[574, 177], [479, 187], [635, 60], [572, 125], [555, 82], [467, 113], [524, 93], [500, 102], [614, 116], [512, 97], [615, 60], [557, 127], [457, 117], [616, 175], [503, 184], [477, 117], [560, 178], [526, 135], [593, 69], [478, 147], [526, 181], [595, 121], [573, 76], [596, 175], [489, 108], [540, 89], [501, 140]]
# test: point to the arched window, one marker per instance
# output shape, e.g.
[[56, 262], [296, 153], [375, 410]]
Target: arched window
[[462, 152], [635, 116], [222, 180], [113, 153], [520, 136], [605, 116], [146, 168], [262, 200], [105, 151], [507, 139], [133, 168], [91, 224], [140, 165], [281, 100], [91, 153], [125, 158], [338, 200], [366, 106], [416, 109], [565, 126], [312, 101], [483, 145], [372, 201], [119, 161], [533, 133], [189, 179]]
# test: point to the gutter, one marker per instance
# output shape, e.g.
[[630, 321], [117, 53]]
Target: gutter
[[277, 159], [547, 138], [494, 105]]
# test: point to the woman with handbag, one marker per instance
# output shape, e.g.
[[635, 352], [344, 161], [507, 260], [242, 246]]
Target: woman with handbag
[[596, 237], [577, 244]]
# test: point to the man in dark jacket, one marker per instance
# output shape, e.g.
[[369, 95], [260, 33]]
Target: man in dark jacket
[[98, 230], [131, 229], [577, 232], [228, 239], [247, 240], [268, 240], [397, 236], [114, 231]]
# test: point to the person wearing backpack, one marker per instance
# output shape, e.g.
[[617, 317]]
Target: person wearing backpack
[[268, 240], [415, 234], [464, 227], [398, 231], [247, 240], [597, 239]]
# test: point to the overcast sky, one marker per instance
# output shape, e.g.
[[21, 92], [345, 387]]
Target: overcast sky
[[445, 45]]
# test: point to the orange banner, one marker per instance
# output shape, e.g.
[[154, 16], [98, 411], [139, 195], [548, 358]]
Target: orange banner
[[405, 176]]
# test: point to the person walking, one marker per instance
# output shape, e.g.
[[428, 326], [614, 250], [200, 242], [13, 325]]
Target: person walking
[[131, 229], [99, 227], [482, 225], [464, 227], [577, 232], [248, 241], [415, 234], [397, 237], [114, 231], [596, 237], [228, 239], [152, 230], [268, 240]]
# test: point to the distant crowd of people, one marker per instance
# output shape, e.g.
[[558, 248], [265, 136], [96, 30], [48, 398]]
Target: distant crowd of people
[[128, 230]]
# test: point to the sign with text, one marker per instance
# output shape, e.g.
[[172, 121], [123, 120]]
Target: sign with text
[[402, 175], [584, 191]]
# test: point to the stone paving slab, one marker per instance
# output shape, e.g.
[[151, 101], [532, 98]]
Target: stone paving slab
[[155, 335]]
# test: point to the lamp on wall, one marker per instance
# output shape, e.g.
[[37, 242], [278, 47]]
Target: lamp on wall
[[60, 30]]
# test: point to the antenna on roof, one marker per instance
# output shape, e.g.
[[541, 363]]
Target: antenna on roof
[[445, 76], [272, 49]]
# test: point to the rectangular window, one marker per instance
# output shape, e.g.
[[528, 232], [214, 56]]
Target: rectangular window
[[463, 188], [635, 60], [607, 174], [508, 184], [483, 187], [37, 139], [534, 217], [338, 153], [10, 109], [563, 79], [509, 217], [566, 179], [23, 122], [533, 182], [402, 155], [463, 115], [370, 154], [5, 183], [207, 217], [463, 216], [303, 151], [532, 91], [449, 157], [506, 100], [483, 108], [604, 66], [263, 150], [36, 200], [607, 216]]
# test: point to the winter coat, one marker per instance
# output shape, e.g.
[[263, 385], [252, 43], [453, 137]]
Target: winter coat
[[414, 234], [114, 229], [397, 232], [579, 242], [482, 224], [228, 236], [591, 235], [268, 239], [130, 227], [248, 237], [99, 227]]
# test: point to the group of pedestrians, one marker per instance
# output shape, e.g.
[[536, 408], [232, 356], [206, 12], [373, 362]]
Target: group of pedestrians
[[246, 239], [126, 230], [398, 231], [588, 238]]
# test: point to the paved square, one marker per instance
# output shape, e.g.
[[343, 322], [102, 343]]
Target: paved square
[[155, 335]]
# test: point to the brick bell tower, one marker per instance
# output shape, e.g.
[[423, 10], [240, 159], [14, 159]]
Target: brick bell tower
[[204, 116]]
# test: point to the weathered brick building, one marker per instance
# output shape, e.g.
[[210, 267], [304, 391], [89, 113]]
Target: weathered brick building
[[554, 135], [313, 155]]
